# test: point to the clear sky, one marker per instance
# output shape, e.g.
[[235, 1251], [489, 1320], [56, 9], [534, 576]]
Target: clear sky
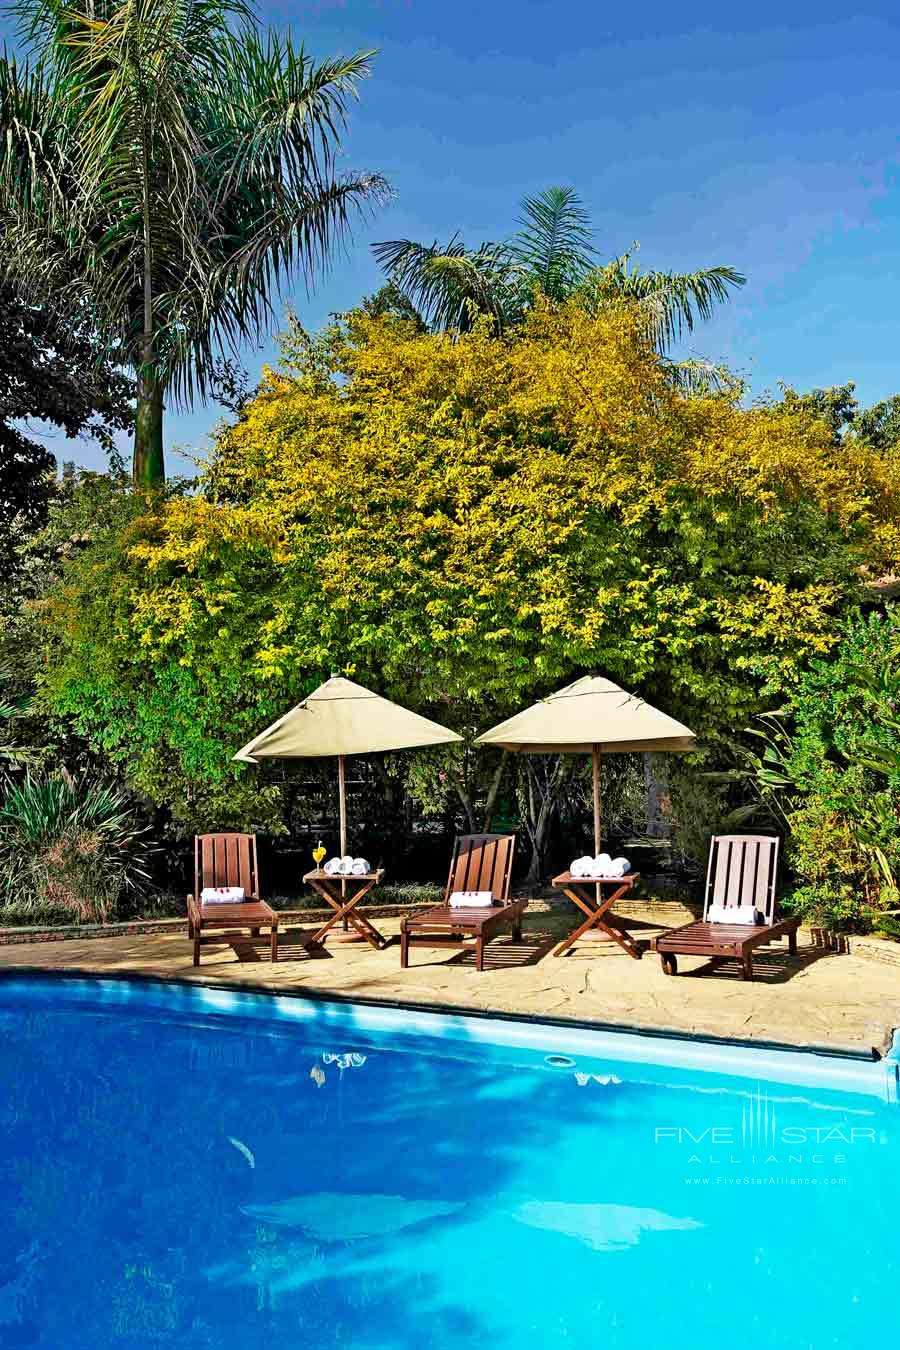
[[764, 137]]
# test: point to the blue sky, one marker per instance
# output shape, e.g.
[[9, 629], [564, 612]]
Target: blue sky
[[767, 141]]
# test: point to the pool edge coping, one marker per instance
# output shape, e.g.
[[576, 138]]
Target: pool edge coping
[[833, 1050]]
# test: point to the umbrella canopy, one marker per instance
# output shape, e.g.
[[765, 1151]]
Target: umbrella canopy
[[591, 712], [591, 716], [342, 718]]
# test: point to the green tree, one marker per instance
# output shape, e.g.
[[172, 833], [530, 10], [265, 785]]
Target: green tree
[[168, 165], [880, 424], [552, 253], [837, 406]]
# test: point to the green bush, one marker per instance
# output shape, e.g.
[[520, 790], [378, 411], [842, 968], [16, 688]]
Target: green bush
[[69, 848], [830, 771]]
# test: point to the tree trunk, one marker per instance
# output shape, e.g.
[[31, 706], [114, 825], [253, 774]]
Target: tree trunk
[[544, 784], [466, 803], [493, 790], [654, 791], [149, 463]]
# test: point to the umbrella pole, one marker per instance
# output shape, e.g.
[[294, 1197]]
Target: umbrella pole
[[342, 803], [342, 809], [595, 754]]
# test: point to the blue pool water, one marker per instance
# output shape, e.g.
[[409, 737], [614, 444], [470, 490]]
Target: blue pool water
[[193, 1168]]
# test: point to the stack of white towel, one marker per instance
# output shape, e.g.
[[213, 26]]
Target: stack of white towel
[[347, 867], [600, 867]]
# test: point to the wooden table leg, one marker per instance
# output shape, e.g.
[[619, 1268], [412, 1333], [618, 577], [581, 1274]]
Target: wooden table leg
[[345, 910], [595, 919], [573, 937], [623, 937], [273, 937]]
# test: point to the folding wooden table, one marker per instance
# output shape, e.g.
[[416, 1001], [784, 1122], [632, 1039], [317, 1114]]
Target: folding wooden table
[[343, 894], [595, 897]]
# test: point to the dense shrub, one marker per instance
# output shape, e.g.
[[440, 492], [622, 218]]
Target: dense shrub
[[69, 847]]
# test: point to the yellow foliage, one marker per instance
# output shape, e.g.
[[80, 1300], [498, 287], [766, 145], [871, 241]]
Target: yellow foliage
[[470, 520]]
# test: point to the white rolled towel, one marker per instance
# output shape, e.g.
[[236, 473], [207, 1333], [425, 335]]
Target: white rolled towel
[[471, 899], [580, 866], [346, 867], [742, 914], [360, 867], [333, 866], [619, 867], [600, 865], [222, 895]]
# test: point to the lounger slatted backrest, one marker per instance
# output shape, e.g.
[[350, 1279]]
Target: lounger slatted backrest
[[741, 871], [226, 860], [482, 862]]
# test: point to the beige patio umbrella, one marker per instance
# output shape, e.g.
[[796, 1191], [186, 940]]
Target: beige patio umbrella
[[341, 718], [591, 716]]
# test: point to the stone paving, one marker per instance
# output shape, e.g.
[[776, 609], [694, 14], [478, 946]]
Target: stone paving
[[816, 998]]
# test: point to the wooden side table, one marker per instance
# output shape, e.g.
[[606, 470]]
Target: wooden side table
[[595, 896], [343, 894]]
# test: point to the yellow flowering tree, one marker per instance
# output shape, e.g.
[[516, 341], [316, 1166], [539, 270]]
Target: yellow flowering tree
[[465, 522]]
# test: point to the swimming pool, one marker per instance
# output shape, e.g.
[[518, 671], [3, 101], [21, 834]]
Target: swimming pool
[[227, 1171]]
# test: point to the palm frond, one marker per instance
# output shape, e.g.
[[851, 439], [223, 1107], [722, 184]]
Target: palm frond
[[700, 378], [670, 302], [554, 244], [201, 325], [277, 113], [449, 284]]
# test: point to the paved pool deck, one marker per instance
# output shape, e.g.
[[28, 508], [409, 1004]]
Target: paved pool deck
[[818, 997]]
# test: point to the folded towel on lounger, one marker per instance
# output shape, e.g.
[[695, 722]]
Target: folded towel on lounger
[[221, 895], [471, 899], [744, 914]]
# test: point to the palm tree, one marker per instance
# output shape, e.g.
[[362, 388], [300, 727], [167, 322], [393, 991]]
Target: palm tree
[[552, 253], [166, 167]]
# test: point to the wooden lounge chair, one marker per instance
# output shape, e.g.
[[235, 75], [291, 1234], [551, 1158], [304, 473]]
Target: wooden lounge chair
[[741, 871], [481, 862], [228, 860]]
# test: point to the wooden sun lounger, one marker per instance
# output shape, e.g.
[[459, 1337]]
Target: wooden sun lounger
[[481, 862], [228, 860], [742, 870]]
